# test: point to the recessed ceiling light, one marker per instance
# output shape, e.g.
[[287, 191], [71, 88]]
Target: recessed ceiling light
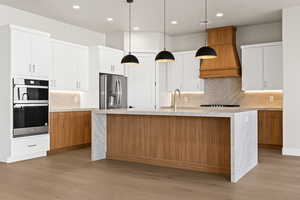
[[174, 22], [220, 14], [136, 28], [76, 7], [109, 19]]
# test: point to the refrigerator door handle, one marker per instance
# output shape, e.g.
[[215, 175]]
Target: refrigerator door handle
[[117, 92], [120, 92], [105, 92]]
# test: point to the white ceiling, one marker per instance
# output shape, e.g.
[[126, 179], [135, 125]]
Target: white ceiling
[[147, 14]]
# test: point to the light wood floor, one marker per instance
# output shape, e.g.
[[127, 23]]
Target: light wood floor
[[71, 176]]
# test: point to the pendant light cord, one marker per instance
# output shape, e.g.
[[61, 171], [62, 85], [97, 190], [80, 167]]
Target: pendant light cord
[[129, 28], [206, 21], [164, 24]]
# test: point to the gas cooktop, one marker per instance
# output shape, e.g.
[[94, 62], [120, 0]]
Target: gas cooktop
[[219, 106]]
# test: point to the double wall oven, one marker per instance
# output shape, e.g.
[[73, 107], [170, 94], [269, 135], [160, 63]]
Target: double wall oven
[[30, 107]]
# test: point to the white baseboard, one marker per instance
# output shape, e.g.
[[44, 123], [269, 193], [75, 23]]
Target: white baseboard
[[290, 151], [25, 157]]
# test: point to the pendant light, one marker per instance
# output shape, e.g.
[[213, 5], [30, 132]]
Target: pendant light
[[165, 56], [206, 52], [130, 59]]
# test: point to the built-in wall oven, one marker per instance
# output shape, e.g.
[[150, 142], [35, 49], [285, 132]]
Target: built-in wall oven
[[30, 107]]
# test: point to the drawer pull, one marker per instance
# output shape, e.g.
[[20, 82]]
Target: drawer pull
[[33, 145]]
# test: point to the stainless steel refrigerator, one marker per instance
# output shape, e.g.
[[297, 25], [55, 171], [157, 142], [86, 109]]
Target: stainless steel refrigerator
[[113, 91]]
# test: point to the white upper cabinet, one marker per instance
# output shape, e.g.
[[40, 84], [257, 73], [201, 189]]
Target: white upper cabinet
[[141, 82], [175, 73], [21, 56], [184, 73], [40, 56], [252, 75], [191, 80], [108, 60], [273, 77], [62, 73], [83, 68], [31, 53], [70, 67], [262, 67]]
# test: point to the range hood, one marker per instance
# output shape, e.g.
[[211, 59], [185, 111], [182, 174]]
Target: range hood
[[227, 64]]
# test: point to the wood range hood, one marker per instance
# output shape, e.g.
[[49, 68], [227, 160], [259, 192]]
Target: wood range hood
[[227, 64]]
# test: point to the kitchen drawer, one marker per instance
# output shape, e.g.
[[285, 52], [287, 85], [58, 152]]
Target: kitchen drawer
[[30, 145]]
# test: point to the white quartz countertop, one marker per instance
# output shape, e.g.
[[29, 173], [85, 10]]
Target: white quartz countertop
[[201, 112]]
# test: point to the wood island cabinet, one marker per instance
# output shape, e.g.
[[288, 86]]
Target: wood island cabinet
[[69, 129], [270, 129], [194, 143]]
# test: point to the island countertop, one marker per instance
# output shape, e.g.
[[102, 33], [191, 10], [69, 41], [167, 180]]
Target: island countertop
[[200, 112]]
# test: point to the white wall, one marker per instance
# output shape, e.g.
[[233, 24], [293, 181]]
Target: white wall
[[188, 42], [115, 40], [245, 35], [146, 42], [260, 33], [291, 81], [140, 41], [58, 30]]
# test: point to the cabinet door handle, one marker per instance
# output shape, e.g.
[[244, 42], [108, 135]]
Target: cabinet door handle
[[33, 67], [32, 145]]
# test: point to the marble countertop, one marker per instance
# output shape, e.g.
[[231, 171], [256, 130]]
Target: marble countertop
[[168, 109], [71, 109], [242, 107], [200, 112], [267, 109]]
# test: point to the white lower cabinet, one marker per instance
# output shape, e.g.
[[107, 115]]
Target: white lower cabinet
[[184, 74], [70, 67], [262, 67], [24, 148]]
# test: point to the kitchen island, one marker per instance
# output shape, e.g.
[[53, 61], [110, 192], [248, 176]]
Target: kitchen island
[[222, 141]]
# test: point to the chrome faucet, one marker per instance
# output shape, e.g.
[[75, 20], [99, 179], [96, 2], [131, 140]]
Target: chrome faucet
[[174, 98]]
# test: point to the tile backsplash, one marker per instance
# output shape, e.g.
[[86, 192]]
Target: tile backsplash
[[228, 91], [64, 100]]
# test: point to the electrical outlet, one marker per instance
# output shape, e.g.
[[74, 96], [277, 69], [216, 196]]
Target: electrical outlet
[[271, 99], [186, 99]]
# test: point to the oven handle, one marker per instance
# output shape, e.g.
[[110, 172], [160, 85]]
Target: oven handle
[[32, 86], [30, 105]]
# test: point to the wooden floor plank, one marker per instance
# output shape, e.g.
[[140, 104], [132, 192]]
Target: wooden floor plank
[[72, 176]]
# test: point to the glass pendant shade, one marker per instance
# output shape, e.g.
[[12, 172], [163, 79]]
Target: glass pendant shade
[[130, 59], [206, 53], [165, 56]]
